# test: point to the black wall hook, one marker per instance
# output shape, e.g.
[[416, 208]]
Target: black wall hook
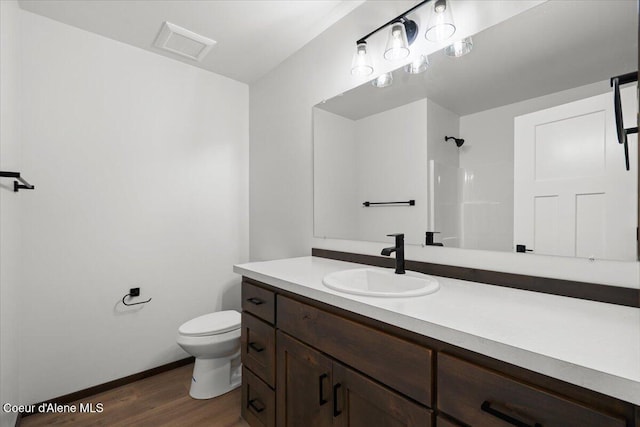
[[133, 292]]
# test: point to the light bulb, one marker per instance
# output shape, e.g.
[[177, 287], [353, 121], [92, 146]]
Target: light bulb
[[440, 26], [459, 48], [419, 65], [397, 44], [383, 80], [361, 64]]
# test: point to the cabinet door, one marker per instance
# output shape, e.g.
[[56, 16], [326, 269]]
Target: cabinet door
[[303, 385], [361, 402]]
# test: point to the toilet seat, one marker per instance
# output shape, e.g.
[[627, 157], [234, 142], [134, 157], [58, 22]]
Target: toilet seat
[[216, 323]]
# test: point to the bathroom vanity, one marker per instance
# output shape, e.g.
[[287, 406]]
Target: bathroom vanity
[[468, 354]]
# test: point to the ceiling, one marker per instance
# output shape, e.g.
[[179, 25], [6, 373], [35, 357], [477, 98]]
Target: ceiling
[[555, 46], [253, 36]]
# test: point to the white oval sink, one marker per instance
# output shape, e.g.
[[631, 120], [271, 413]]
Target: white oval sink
[[379, 282]]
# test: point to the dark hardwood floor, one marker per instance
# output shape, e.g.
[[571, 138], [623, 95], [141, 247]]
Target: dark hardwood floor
[[161, 400]]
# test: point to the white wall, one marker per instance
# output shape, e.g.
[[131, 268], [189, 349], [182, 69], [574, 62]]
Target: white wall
[[335, 176], [281, 184], [378, 158], [140, 168], [392, 152], [445, 212], [10, 207], [442, 122]]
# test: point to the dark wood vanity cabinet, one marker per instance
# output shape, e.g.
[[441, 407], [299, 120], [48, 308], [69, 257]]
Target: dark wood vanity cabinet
[[397, 363], [315, 390], [479, 396], [304, 386], [362, 402], [309, 364], [258, 349]]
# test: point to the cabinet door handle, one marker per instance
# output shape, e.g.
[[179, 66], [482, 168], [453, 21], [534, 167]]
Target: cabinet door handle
[[255, 301], [486, 407], [256, 347], [336, 411], [321, 379], [256, 405]]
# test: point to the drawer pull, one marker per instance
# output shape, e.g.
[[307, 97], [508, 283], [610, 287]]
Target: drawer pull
[[255, 301], [486, 407], [336, 411], [256, 347], [256, 405], [321, 379]]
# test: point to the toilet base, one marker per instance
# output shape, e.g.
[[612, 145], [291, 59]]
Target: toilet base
[[213, 377]]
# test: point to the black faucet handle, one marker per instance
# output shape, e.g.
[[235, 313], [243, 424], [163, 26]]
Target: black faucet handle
[[429, 238], [395, 235]]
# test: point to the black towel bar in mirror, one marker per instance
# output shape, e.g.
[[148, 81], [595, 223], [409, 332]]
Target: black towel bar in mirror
[[17, 186], [408, 202]]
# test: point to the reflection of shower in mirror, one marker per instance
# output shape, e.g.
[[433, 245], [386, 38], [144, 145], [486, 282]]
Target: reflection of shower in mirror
[[459, 141]]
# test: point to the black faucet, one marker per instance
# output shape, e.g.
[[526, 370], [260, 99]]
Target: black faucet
[[399, 250], [429, 239]]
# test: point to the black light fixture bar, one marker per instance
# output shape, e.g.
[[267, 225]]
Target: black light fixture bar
[[396, 19], [625, 78]]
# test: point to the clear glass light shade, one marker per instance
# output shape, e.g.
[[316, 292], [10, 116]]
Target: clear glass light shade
[[361, 64], [397, 44], [383, 80], [440, 26], [459, 48], [419, 65]]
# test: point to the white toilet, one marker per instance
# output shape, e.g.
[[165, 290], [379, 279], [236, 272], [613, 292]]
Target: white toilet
[[214, 340]]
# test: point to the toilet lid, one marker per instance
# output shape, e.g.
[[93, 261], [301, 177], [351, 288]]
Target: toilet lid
[[211, 324]]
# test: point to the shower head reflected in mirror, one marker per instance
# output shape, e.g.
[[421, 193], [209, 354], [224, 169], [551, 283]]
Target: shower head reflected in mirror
[[459, 141]]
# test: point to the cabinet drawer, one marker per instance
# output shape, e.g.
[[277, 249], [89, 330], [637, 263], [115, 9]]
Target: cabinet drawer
[[258, 340], [258, 401], [399, 364], [259, 301], [478, 396]]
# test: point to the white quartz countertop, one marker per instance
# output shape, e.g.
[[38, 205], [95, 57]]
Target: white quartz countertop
[[590, 344]]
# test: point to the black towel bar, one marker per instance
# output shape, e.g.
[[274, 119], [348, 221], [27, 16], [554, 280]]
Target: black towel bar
[[408, 202], [16, 186]]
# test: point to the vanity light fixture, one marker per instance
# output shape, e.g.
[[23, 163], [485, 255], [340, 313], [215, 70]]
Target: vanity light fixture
[[419, 65], [440, 26], [383, 80], [459, 48], [402, 34], [361, 64], [397, 45]]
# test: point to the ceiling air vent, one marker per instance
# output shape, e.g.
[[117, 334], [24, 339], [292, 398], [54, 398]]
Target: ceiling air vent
[[183, 42]]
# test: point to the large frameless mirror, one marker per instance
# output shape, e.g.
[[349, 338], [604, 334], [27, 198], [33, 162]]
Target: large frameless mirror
[[511, 147]]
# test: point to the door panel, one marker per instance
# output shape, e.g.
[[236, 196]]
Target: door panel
[[572, 194]]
